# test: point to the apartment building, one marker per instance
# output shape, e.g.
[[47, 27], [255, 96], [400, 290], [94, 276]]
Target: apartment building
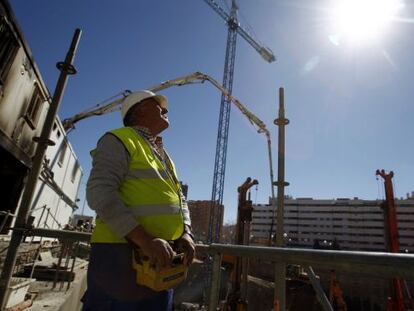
[[347, 224]]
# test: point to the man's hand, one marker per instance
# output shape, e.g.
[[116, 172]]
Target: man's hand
[[158, 250], [187, 245]]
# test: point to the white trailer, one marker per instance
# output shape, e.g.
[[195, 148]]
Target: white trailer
[[24, 101]]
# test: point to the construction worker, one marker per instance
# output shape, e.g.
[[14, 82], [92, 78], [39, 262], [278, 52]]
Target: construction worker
[[134, 189]]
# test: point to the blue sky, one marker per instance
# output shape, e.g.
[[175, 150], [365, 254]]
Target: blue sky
[[349, 104]]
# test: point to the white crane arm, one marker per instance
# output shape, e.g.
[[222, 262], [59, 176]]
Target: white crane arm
[[200, 77], [187, 79], [250, 115], [100, 109]]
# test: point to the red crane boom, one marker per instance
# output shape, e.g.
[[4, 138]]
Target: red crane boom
[[396, 301]]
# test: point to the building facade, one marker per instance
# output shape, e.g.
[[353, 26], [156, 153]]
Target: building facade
[[200, 217], [24, 102], [347, 224], [58, 186]]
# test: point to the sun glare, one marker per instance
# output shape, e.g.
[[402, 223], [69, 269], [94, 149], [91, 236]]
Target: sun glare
[[363, 20]]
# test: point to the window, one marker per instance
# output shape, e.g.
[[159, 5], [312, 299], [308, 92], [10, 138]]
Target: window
[[34, 108], [62, 153], [8, 49], [74, 171]]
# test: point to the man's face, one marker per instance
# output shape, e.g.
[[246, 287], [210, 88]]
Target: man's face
[[153, 116]]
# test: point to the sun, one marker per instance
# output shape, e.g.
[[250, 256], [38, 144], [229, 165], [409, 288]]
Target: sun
[[363, 20]]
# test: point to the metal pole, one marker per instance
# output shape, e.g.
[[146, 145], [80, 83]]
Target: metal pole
[[215, 283], [320, 294], [6, 217], [41, 215], [245, 263], [63, 250], [69, 251], [38, 225], [83, 206], [73, 264], [272, 181], [280, 267], [66, 69]]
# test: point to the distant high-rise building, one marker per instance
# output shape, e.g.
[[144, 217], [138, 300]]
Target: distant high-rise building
[[350, 224], [200, 217]]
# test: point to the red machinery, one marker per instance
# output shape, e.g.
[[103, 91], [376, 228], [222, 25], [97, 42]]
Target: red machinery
[[396, 301], [237, 298], [336, 294]]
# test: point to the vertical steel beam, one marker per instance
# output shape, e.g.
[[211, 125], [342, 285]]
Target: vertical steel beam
[[280, 267], [215, 283], [75, 253], [6, 217], [66, 69]]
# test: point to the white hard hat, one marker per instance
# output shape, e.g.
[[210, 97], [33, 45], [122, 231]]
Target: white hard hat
[[137, 97]]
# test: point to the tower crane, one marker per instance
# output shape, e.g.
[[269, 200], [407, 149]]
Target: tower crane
[[234, 28]]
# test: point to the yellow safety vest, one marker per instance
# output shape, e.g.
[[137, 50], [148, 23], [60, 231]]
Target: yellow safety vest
[[150, 190]]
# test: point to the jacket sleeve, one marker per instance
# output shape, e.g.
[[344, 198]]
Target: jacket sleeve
[[109, 167]]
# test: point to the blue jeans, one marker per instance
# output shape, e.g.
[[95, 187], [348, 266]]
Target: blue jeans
[[111, 283], [98, 301]]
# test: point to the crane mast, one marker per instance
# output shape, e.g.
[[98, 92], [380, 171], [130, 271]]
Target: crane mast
[[234, 28], [223, 131]]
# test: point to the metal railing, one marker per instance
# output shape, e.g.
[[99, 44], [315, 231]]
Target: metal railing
[[369, 263], [69, 242]]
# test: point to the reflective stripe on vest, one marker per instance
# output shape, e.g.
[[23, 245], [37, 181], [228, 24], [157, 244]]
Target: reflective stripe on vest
[[152, 210], [146, 173], [148, 190]]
